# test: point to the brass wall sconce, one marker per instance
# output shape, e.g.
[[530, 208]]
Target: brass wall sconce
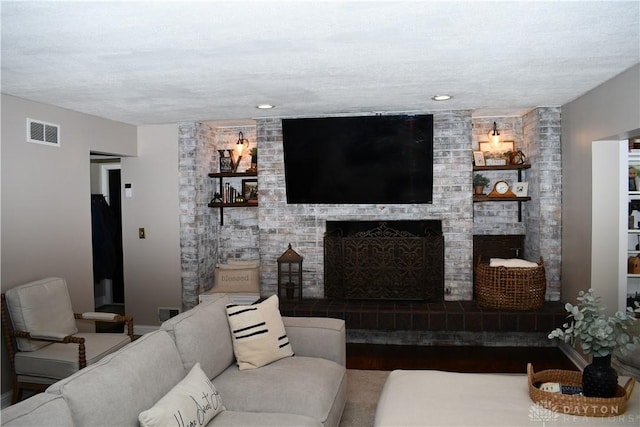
[[494, 136], [241, 145]]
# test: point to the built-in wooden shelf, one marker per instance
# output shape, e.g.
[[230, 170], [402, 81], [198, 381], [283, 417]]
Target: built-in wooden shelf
[[485, 198], [503, 167], [221, 176], [479, 198]]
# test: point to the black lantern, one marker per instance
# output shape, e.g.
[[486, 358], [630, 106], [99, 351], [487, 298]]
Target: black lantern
[[290, 274]]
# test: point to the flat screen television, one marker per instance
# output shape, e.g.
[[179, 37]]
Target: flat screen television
[[359, 160]]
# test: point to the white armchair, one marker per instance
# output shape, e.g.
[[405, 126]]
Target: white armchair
[[44, 345]]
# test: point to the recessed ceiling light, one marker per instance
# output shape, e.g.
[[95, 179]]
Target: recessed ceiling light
[[441, 97], [265, 106]]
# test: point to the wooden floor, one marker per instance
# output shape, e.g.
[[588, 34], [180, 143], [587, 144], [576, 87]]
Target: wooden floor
[[456, 358]]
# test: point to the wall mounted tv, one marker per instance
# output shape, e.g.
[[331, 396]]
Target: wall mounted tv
[[365, 160]]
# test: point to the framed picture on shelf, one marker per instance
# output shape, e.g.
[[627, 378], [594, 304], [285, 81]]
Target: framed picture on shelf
[[521, 189], [478, 158], [226, 163], [634, 179], [250, 190]]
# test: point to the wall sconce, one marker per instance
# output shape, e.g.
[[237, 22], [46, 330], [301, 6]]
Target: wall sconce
[[494, 136], [241, 146]]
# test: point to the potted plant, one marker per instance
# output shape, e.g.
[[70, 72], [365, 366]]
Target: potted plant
[[479, 183], [599, 336]]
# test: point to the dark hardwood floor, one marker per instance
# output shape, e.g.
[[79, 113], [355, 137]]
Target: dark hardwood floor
[[455, 358]]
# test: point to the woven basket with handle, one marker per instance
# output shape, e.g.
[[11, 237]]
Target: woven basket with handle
[[576, 404]]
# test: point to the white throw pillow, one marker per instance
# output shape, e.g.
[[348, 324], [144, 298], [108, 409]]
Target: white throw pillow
[[194, 401], [511, 262], [258, 333]]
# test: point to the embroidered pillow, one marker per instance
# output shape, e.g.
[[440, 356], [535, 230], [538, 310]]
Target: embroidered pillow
[[194, 401], [258, 333]]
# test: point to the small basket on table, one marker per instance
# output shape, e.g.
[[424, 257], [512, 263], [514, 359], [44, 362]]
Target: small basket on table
[[574, 404]]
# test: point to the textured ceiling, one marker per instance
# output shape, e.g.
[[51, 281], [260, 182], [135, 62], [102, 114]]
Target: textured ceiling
[[162, 62]]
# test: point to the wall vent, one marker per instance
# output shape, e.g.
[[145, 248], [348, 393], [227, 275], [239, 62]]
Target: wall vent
[[166, 313], [43, 133]]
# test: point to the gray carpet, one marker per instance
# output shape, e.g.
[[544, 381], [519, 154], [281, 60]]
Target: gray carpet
[[363, 391]]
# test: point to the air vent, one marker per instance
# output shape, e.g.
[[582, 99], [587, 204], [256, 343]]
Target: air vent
[[43, 133], [166, 313]]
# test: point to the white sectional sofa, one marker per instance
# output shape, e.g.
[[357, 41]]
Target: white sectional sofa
[[307, 389]]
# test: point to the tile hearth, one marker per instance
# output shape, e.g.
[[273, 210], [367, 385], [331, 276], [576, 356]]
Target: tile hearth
[[453, 316]]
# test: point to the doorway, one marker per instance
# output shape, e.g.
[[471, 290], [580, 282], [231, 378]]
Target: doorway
[[106, 224]]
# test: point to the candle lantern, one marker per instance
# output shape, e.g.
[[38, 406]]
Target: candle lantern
[[290, 274]]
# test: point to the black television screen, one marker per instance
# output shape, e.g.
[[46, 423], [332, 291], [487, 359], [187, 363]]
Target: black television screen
[[366, 160]]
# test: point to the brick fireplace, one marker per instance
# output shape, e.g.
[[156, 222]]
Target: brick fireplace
[[267, 230], [384, 260]]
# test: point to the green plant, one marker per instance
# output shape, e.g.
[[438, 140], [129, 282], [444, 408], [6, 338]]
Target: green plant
[[597, 334], [480, 180], [633, 299], [254, 152]]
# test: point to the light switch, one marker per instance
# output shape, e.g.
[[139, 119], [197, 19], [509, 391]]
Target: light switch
[[128, 191], [141, 233]]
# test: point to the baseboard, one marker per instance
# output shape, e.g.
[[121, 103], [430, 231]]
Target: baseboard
[[573, 355], [5, 399]]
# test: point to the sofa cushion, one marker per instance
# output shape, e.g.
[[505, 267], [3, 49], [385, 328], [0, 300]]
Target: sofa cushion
[[193, 401], [43, 409], [114, 390], [307, 386], [57, 361], [262, 419], [258, 333], [41, 306], [202, 335]]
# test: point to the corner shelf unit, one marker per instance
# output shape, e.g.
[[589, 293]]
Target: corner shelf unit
[[221, 176], [485, 198], [633, 227]]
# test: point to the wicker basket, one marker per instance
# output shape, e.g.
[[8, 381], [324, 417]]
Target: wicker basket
[[574, 404], [510, 288]]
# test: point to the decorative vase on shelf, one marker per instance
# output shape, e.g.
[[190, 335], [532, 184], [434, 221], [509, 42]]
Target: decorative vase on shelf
[[599, 379], [254, 160]]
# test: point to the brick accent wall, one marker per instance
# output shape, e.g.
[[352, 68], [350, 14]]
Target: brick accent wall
[[238, 237], [499, 217], [303, 225], [542, 130], [198, 229], [266, 231]]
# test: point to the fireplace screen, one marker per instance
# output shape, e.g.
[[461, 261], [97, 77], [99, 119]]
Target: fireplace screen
[[387, 260]]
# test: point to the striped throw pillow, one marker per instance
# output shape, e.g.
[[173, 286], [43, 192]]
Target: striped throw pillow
[[258, 333]]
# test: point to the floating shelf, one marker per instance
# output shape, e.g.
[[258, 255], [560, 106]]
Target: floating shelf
[[220, 205]]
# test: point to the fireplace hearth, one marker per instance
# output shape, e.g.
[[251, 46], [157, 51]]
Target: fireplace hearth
[[384, 260]]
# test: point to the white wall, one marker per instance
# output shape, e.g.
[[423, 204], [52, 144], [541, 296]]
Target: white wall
[[46, 204], [609, 173], [610, 111], [152, 271]]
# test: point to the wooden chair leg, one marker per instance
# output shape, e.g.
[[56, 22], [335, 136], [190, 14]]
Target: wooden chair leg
[[17, 394]]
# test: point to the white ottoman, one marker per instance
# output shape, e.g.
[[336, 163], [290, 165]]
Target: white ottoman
[[436, 398]]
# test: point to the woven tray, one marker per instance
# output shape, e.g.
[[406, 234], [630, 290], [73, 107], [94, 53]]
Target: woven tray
[[510, 288], [575, 404]]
